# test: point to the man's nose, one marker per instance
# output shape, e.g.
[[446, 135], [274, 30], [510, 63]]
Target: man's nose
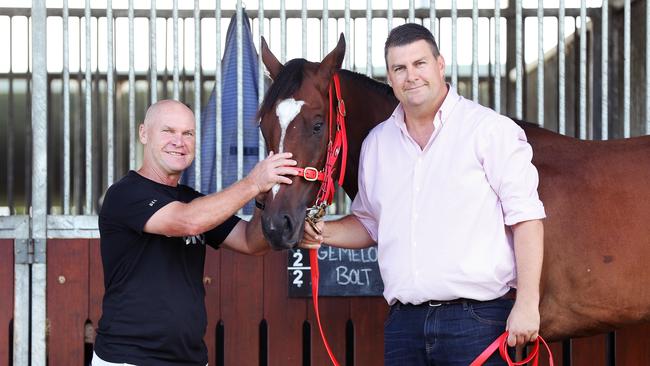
[[177, 139], [411, 74]]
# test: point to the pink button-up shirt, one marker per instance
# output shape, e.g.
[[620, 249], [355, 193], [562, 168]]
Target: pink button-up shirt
[[439, 215]]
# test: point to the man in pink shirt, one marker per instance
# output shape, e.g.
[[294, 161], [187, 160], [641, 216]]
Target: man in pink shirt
[[448, 192]]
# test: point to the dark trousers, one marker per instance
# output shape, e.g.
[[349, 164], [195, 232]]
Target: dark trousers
[[444, 335]]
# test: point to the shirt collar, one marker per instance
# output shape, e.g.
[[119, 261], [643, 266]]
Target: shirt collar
[[442, 115], [448, 104]]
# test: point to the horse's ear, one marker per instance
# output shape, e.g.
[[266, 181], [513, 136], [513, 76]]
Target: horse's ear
[[270, 61], [333, 61]]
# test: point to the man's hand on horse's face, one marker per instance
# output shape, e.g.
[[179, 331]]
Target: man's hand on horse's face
[[273, 170]]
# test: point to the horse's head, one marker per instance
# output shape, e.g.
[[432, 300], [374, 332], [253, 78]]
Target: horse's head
[[294, 118]]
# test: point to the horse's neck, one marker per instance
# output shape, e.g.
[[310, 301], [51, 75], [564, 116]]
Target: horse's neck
[[367, 103]]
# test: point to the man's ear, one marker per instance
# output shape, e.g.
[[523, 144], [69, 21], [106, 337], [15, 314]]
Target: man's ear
[[142, 132], [441, 65]]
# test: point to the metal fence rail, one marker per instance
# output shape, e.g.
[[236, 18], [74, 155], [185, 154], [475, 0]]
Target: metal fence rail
[[86, 116], [103, 94]]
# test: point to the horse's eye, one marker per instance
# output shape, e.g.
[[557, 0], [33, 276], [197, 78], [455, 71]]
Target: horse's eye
[[317, 127]]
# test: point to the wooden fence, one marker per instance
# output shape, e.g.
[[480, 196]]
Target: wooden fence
[[251, 319]]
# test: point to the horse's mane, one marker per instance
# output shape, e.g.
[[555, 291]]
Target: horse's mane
[[284, 85], [291, 77], [374, 85]]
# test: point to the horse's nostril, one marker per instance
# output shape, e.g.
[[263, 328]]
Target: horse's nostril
[[288, 224]]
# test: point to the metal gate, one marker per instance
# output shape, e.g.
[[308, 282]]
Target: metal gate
[[71, 117]]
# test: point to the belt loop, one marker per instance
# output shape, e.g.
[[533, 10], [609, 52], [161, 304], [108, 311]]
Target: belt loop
[[465, 305]]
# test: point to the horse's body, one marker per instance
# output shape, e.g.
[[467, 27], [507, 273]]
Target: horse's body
[[596, 274]]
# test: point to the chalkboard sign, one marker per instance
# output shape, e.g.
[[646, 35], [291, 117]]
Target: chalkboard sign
[[343, 272]]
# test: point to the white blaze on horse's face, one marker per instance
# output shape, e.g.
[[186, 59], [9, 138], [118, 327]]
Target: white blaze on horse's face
[[286, 111]]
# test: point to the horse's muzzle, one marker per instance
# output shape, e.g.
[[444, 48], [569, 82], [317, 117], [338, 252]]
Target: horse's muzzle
[[283, 231]]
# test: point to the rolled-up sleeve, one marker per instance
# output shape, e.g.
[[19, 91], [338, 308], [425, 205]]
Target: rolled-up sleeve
[[507, 156], [361, 207]]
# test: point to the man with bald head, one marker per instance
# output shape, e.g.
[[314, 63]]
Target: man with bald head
[[153, 234]]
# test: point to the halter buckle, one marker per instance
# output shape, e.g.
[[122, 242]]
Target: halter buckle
[[309, 176]]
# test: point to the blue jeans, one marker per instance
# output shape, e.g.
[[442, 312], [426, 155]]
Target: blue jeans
[[444, 335]]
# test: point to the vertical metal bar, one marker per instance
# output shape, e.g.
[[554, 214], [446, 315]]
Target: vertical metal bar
[[283, 32], [604, 72], [475, 50], [432, 20], [39, 178], [240, 92], [497, 56], [583, 69], [28, 141], [153, 63], [647, 68], [325, 29], [10, 127], [389, 15], [21, 271], [132, 133], [39, 310], [217, 85], [165, 80], [78, 161], [261, 152], [348, 39], [540, 63], [183, 91], [21, 313], [369, 37], [110, 138], [411, 11], [561, 101], [454, 44], [303, 18], [626, 67], [519, 62], [66, 111], [88, 207], [197, 95], [175, 37]]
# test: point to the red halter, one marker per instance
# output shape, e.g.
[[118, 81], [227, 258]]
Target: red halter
[[335, 146]]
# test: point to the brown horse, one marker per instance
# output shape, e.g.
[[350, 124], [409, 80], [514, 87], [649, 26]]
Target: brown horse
[[597, 235]]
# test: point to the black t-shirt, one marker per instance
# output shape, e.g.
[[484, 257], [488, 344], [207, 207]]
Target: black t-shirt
[[153, 308]]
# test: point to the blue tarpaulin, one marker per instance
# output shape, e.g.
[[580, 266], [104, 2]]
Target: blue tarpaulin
[[229, 115]]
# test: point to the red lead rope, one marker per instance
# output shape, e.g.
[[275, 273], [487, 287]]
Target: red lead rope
[[501, 344], [313, 262]]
